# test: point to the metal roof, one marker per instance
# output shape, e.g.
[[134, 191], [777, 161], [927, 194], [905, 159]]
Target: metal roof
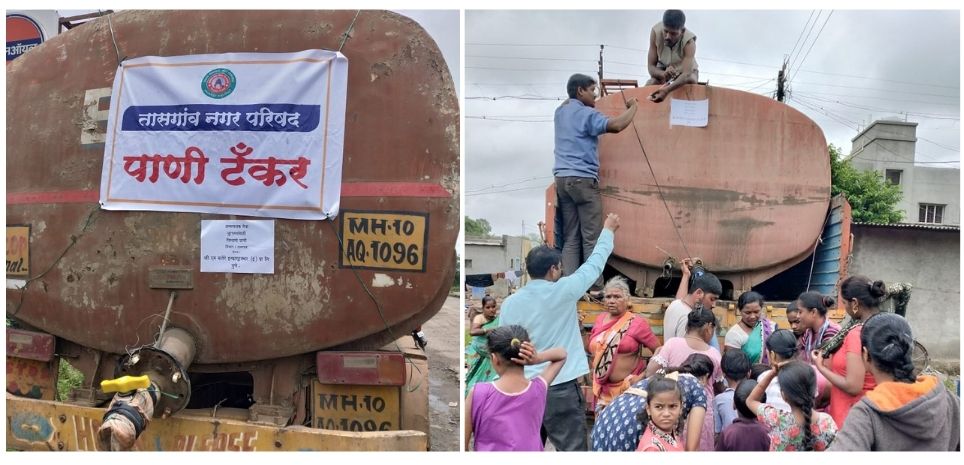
[[925, 226]]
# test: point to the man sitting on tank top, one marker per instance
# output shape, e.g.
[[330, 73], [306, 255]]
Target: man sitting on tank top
[[672, 55], [578, 126]]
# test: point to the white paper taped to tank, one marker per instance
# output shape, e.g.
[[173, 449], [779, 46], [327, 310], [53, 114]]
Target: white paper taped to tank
[[256, 134], [229, 246]]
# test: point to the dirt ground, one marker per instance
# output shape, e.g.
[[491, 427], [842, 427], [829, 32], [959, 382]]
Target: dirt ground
[[444, 346]]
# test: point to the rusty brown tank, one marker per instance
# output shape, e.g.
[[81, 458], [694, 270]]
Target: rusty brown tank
[[90, 268], [748, 193]]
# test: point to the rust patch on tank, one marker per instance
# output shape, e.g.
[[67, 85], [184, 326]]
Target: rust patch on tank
[[292, 298], [744, 223], [380, 69]]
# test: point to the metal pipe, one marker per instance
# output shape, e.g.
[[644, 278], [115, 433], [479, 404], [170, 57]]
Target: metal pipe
[[180, 345], [167, 313]]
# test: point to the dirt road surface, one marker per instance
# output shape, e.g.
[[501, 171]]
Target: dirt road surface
[[444, 345]]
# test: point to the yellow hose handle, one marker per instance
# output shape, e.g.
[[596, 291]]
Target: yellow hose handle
[[125, 384]]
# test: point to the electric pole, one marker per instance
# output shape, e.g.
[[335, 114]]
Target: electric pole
[[600, 67], [781, 82]]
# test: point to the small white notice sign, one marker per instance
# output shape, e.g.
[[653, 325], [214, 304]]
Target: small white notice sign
[[237, 246], [689, 112]]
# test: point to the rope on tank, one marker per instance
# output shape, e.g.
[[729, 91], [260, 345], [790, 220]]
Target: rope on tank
[[110, 26], [347, 33], [659, 190], [816, 244]]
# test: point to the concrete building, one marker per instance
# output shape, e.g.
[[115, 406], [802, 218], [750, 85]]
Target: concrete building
[[924, 249], [931, 195], [928, 257], [492, 256]]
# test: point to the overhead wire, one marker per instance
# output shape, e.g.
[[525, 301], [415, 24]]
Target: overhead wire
[[505, 191], [878, 109], [706, 58], [812, 43], [801, 34], [793, 62], [847, 123], [520, 181]]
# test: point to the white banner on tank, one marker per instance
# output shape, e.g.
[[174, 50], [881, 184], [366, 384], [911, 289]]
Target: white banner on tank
[[237, 246], [257, 134]]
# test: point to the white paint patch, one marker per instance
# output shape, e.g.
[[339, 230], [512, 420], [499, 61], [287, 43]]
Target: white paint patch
[[16, 284], [382, 280]]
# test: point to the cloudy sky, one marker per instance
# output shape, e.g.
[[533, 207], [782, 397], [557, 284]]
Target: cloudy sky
[[847, 69]]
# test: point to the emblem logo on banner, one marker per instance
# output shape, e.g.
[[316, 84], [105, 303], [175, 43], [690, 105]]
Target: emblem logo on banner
[[219, 83], [269, 145]]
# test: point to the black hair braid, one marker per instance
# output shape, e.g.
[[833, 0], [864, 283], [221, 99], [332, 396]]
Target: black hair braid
[[808, 438], [798, 383], [889, 342], [896, 355]]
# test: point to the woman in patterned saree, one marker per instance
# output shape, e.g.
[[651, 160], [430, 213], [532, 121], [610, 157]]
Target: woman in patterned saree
[[477, 353], [617, 339]]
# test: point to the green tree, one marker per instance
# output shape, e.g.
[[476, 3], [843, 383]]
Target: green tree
[[477, 227], [873, 199]]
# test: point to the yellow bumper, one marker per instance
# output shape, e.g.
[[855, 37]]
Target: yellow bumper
[[46, 425]]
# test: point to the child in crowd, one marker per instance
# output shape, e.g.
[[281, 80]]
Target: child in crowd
[[736, 367], [660, 418], [615, 430], [506, 414], [802, 428], [758, 369], [745, 433]]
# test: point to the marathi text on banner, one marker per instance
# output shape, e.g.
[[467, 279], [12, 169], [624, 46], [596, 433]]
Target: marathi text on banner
[[203, 133]]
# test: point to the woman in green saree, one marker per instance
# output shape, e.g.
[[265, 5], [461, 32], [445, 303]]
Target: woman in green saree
[[477, 352], [752, 331]]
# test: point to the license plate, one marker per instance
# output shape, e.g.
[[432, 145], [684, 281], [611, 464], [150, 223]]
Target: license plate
[[355, 408], [383, 241]]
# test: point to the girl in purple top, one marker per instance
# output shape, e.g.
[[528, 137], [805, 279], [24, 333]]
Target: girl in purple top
[[506, 414]]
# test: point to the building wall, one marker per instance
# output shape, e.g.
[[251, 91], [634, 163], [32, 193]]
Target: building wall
[[891, 145], [497, 256], [936, 185], [484, 258], [930, 261]]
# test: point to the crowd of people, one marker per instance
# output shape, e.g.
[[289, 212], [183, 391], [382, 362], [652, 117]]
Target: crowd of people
[[816, 386]]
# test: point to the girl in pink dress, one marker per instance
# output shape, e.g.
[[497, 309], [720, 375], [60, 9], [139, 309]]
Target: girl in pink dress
[[700, 328], [660, 418]]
